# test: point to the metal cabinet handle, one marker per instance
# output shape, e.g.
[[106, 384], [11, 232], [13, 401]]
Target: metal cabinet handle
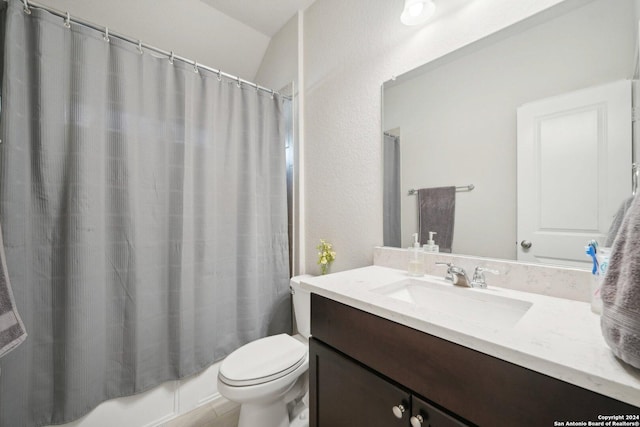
[[416, 421], [526, 244], [398, 411]]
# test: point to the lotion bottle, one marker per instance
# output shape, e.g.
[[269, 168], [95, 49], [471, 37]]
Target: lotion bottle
[[416, 263], [431, 244]]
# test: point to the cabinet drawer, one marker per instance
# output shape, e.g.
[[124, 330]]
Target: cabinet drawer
[[482, 389]]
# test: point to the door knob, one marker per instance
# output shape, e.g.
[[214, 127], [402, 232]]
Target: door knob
[[416, 421], [525, 244], [398, 411]]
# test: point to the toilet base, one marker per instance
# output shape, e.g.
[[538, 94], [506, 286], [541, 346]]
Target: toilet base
[[301, 420]]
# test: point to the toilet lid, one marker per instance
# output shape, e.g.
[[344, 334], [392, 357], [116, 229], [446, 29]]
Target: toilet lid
[[263, 360]]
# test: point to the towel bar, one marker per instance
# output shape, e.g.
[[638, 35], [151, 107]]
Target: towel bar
[[469, 187]]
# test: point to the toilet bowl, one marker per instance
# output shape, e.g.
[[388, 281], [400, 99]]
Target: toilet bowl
[[265, 375]]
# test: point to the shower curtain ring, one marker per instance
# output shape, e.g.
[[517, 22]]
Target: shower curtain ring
[[219, 75], [195, 67], [67, 21], [26, 7], [239, 84], [171, 58], [140, 47], [106, 34], [273, 92]]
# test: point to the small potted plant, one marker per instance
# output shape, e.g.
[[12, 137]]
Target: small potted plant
[[326, 255]]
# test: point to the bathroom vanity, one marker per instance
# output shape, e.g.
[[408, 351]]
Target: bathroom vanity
[[381, 358]]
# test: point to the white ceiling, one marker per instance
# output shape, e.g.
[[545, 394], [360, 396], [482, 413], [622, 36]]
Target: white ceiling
[[265, 16]]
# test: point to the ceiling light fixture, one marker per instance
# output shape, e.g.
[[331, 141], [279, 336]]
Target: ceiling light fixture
[[417, 12]]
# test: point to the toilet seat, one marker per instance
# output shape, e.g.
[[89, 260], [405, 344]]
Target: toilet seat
[[262, 361]]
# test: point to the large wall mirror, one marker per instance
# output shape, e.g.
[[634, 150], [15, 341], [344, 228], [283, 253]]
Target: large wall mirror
[[537, 118]]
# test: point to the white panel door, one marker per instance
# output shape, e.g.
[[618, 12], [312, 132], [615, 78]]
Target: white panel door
[[574, 170]]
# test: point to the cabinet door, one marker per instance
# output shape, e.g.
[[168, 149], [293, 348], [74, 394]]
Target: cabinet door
[[424, 414], [343, 393]]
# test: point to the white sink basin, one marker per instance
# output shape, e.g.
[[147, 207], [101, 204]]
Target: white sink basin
[[481, 306]]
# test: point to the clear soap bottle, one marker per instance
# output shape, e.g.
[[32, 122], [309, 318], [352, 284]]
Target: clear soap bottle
[[431, 244], [416, 261]]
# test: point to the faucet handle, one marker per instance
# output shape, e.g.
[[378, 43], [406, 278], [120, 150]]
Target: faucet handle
[[448, 264], [457, 270], [448, 276], [480, 270], [479, 281]]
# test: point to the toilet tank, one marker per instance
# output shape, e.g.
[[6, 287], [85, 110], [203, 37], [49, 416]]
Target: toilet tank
[[301, 305]]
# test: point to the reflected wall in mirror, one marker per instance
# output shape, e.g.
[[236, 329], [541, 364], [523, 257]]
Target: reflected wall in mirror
[[455, 121]]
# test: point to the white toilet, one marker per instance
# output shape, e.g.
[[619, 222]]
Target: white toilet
[[265, 375]]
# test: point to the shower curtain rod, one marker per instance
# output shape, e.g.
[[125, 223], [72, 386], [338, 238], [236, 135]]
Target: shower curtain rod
[[107, 34]]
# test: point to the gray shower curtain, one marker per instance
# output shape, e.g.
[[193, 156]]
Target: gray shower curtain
[[145, 217]]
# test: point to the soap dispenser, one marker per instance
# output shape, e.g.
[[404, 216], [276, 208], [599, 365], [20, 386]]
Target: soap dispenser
[[431, 244], [416, 263]]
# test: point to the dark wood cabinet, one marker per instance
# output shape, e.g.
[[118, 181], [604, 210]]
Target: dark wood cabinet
[[358, 362], [346, 394], [349, 395]]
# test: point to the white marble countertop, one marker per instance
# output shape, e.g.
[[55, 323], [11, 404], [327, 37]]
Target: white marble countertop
[[557, 337]]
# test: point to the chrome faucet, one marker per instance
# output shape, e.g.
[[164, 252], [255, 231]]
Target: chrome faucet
[[456, 275]]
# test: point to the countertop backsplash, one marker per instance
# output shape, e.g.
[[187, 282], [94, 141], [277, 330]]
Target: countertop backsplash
[[560, 282]]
